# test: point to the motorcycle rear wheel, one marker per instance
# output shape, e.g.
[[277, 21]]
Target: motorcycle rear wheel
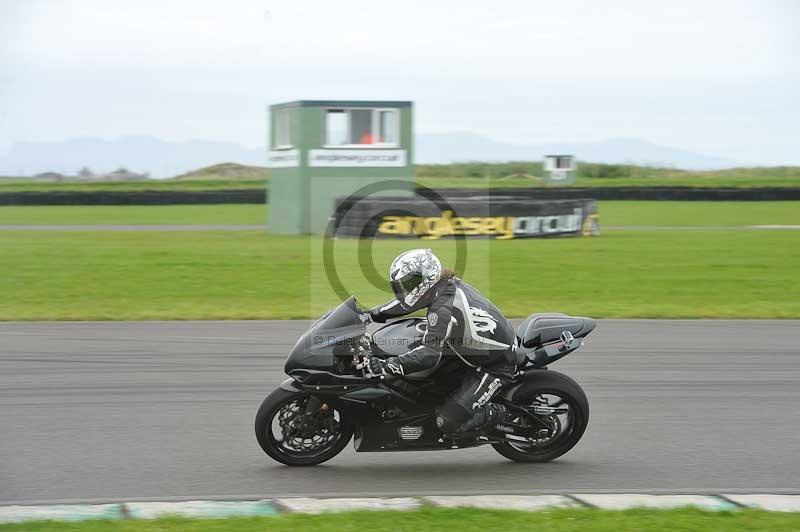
[[558, 392], [284, 434]]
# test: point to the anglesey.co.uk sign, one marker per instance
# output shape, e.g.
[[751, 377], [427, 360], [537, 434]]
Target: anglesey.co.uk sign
[[345, 158]]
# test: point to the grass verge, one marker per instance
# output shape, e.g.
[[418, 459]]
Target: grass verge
[[440, 520], [698, 213], [250, 274], [134, 215]]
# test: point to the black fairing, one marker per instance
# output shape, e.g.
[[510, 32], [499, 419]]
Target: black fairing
[[329, 336], [384, 435], [540, 329], [540, 341], [398, 337]]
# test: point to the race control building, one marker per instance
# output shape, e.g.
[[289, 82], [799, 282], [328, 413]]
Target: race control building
[[322, 151]]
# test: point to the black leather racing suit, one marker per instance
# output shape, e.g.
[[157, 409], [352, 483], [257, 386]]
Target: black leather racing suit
[[462, 321]]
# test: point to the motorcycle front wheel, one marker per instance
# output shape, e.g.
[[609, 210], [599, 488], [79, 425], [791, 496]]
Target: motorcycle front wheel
[[562, 407], [291, 434]]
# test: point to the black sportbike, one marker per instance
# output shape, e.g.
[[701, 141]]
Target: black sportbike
[[312, 415]]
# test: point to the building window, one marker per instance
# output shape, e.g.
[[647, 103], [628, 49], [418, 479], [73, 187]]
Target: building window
[[387, 126], [336, 128], [283, 129], [563, 162], [559, 162], [361, 127]]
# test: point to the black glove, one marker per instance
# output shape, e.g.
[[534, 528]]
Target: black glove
[[378, 367]]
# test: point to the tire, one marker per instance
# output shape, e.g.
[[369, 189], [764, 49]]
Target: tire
[[270, 407], [548, 383]]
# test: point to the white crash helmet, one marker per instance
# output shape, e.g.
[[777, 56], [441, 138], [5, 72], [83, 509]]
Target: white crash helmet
[[413, 273]]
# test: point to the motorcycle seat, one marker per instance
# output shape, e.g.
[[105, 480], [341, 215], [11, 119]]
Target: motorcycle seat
[[540, 329]]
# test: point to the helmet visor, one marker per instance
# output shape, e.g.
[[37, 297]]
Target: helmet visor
[[404, 285]]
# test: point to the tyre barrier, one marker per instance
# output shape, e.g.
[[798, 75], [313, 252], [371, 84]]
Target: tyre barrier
[[210, 197], [133, 197]]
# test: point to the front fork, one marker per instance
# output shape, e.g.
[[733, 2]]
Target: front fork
[[312, 405]]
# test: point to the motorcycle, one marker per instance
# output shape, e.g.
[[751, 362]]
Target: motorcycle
[[328, 399]]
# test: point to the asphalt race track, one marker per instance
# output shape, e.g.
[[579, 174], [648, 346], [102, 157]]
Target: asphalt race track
[[164, 410]]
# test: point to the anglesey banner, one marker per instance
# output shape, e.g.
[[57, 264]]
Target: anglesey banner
[[357, 158], [499, 217], [283, 158]]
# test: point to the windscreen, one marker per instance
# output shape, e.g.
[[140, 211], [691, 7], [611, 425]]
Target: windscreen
[[316, 347], [343, 316]]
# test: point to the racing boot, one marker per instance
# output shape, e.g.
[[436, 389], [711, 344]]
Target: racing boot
[[484, 417]]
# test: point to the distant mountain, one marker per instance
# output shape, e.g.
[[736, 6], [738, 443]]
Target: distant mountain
[[140, 154], [164, 159], [462, 147]]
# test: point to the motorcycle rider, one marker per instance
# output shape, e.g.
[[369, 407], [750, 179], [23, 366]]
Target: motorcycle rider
[[461, 318]]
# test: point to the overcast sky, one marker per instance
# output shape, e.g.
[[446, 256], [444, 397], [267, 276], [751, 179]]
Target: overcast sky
[[716, 77]]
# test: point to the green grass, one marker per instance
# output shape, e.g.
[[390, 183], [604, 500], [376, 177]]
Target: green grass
[[134, 215], [699, 213], [250, 274], [442, 520], [667, 213]]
